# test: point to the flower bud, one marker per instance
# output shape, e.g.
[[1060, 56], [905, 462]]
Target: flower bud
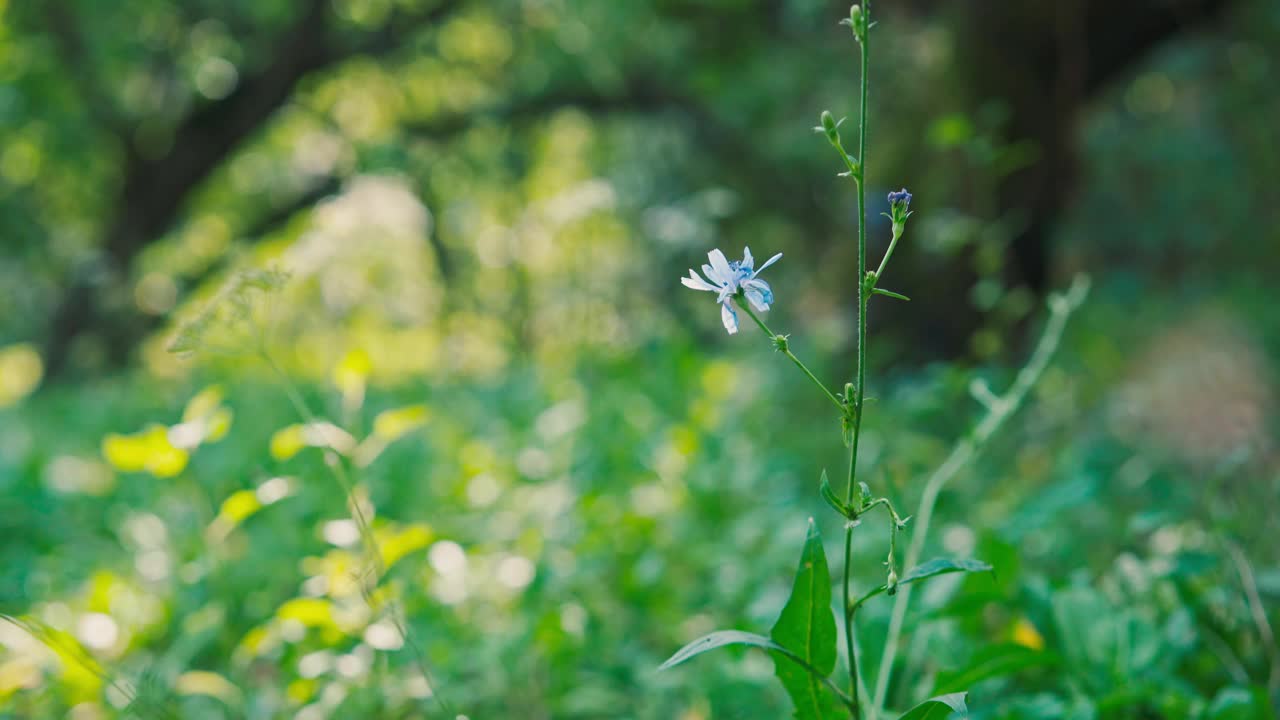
[[899, 209], [830, 126], [899, 201], [856, 22]]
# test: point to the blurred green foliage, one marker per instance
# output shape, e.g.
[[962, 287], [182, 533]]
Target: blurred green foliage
[[579, 474]]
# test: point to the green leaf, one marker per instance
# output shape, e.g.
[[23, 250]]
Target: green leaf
[[718, 639], [938, 708], [830, 496], [807, 627], [722, 638], [943, 566], [1235, 703], [932, 568], [890, 293], [991, 662]]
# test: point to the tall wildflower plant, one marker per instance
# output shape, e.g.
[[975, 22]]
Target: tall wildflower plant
[[805, 640], [237, 322]]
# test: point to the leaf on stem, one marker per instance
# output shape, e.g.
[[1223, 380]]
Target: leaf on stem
[[924, 571], [718, 639], [889, 293], [939, 708], [829, 494], [943, 566], [807, 627]]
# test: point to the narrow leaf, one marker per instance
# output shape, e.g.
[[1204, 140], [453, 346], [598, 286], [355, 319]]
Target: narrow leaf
[[830, 496], [943, 566], [939, 708], [715, 640], [807, 627], [723, 638], [890, 293], [932, 568]]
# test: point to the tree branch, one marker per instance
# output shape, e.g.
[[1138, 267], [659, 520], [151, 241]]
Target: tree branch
[[156, 188], [74, 54]]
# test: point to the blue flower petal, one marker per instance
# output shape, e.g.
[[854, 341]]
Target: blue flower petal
[[696, 283], [723, 273], [767, 263], [758, 292], [729, 317]]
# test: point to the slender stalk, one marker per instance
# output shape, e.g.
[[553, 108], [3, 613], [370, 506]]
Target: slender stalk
[[369, 542], [998, 411], [1258, 612], [884, 261], [861, 381], [786, 350]]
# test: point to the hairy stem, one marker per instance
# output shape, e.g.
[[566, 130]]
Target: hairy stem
[[998, 411], [861, 381]]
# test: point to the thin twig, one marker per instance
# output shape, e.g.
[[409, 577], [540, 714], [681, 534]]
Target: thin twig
[[786, 350], [1259, 614]]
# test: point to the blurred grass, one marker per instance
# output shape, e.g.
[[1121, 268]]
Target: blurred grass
[[657, 496]]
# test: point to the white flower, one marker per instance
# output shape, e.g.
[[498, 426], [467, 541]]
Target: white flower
[[727, 279]]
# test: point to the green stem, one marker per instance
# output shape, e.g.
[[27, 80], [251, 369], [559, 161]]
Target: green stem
[[893, 243], [787, 351], [860, 383]]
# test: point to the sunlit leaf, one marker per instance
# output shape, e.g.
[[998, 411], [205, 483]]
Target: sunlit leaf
[[289, 441], [1026, 635], [124, 452], [391, 425], [81, 673], [807, 627], [312, 612], [202, 682], [350, 376], [217, 425], [150, 451], [302, 690], [394, 544], [939, 708], [203, 404], [20, 372]]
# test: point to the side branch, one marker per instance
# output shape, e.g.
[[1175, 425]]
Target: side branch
[[999, 409]]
